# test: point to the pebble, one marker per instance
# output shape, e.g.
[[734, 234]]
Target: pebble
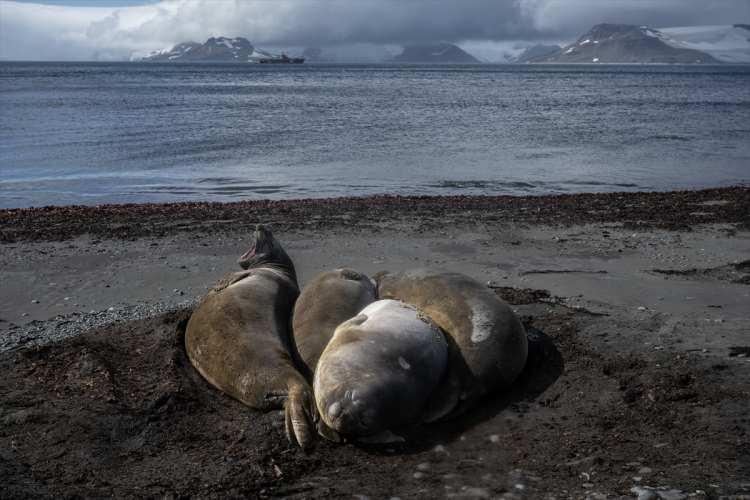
[[494, 438], [470, 492], [440, 449], [424, 466], [34, 301], [419, 475], [661, 493], [596, 496], [641, 308]]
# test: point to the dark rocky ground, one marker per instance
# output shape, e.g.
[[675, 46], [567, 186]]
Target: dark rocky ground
[[120, 412], [677, 210]]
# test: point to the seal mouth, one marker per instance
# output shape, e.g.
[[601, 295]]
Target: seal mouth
[[249, 254], [262, 239]]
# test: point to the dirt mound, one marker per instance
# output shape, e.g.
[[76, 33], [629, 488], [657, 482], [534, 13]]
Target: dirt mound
[[120, 412], [733, 273]]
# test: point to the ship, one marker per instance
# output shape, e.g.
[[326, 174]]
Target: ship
[[283, 59]]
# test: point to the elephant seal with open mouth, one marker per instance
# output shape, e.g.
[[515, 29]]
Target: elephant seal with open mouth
[[487, 342], [238, 338], [379, 370], [327, 301]]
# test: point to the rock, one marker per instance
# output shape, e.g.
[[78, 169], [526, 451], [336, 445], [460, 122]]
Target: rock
[[661, 493], [644, 493], [470, 492], [424, 467], [419, 475], [19, 417]]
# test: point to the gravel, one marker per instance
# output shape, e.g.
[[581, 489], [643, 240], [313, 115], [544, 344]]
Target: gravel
[[45, 332]]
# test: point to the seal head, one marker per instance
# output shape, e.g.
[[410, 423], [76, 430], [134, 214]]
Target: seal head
[[266, 251], [379, 370]]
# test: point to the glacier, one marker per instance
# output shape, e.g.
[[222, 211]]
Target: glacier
[[727, 43]]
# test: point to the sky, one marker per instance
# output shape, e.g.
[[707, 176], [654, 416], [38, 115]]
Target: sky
[[122, 29]]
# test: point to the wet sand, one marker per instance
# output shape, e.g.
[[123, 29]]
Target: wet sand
[[644, 381]]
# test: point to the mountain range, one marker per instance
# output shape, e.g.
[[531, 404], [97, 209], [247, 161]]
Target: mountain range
[[604, 43], [215, 49], [623, 43]]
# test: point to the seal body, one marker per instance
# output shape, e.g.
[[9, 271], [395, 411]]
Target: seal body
[[327, 301], [379, 370], [488, 345], [238, 337]]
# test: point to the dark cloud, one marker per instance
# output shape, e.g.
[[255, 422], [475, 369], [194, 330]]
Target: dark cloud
[[75, 32]]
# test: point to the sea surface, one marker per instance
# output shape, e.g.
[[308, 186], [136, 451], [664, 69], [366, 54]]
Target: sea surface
[[96, 133]]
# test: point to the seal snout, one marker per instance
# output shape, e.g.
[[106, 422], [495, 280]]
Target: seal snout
[[350, 416]]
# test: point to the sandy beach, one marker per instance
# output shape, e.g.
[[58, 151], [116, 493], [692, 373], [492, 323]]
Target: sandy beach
[[643, 383]]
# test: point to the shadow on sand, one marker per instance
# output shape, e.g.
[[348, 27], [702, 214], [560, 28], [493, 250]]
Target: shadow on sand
[[543, 367]]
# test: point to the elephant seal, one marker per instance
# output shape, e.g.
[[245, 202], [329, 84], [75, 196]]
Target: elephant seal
[[327, 301], [238, 337], [488, 344], [379, 370]]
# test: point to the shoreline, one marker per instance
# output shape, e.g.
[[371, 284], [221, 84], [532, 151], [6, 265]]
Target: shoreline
[[675, 210]]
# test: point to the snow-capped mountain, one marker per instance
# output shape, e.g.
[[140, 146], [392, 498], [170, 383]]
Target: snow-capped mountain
[[215, 49], [726, 43], [624, 43]]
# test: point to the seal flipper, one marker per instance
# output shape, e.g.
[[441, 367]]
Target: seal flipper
[[300, 415], [448, 398], [443, 400]]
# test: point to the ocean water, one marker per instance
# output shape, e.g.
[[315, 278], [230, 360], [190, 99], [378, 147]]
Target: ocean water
[[95, 133]]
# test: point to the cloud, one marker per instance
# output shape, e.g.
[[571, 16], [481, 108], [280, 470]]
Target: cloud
[[29, 31]]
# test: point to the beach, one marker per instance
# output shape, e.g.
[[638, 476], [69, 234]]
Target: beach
[[641, 384]]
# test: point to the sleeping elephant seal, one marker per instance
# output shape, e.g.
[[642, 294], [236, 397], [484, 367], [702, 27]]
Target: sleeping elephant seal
[[379, 370], [238, 337], [487, 342], [327, 301]]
